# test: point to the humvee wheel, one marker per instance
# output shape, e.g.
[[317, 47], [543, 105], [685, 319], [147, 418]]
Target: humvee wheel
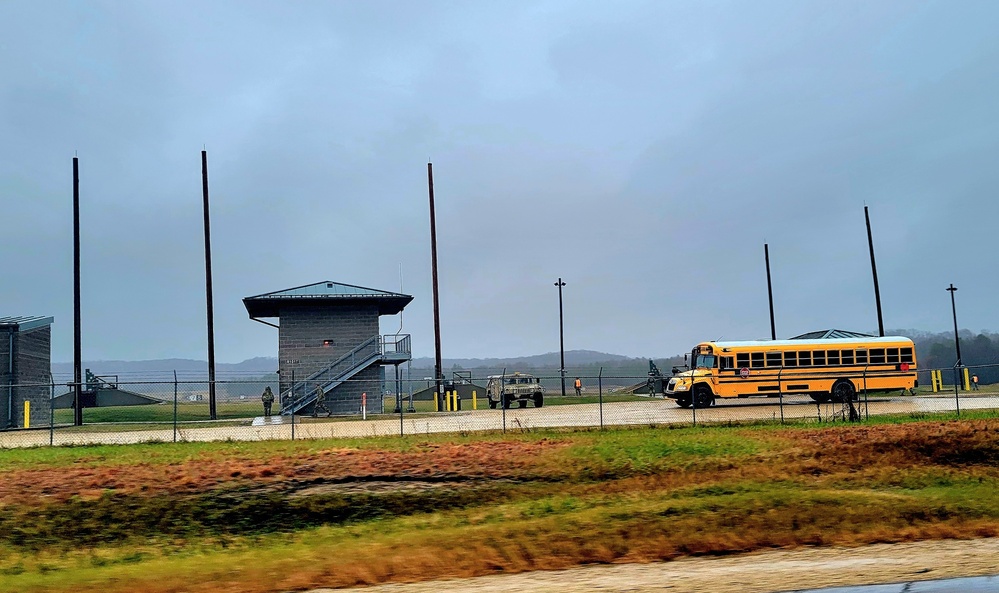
[[539, 400]]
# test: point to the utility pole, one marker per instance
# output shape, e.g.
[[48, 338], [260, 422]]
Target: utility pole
[[770, 292], [438, 372], [953, 307], [212, 412], [77, 350], [561, 337], [874, 270]]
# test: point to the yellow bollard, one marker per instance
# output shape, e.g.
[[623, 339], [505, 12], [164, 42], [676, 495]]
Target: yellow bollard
[[475, 404], [933, 381], [27, 414], [967, 381], [437, 404], [454, 401]]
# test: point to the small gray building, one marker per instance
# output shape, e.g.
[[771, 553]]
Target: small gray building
[[25, 370], [329, 344]]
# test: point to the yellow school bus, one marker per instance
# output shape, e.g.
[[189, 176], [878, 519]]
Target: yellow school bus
[[827, 369]]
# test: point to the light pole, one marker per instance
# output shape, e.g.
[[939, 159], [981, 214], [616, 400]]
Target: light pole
[[957, 340], [561, 338]]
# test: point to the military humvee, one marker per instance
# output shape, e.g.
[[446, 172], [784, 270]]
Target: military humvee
[[516, 387]]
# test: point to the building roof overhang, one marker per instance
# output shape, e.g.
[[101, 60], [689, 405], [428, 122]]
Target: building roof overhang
[[325, 294], [24, 323]]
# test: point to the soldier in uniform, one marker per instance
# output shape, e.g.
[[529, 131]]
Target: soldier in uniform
[[268, 398]]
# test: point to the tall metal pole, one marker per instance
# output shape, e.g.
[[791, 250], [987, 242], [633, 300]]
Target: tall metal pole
[[874, 270], [770, 292], [77, 350], [561, 339], [953, 308], [438, 373], [208, 289]]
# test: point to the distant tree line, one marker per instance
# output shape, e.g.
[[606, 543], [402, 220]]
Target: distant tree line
[[938, 351]]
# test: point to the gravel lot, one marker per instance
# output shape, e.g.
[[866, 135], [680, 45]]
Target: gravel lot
[[654, 411]]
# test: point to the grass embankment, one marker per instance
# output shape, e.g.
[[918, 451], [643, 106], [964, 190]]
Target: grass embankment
[[273, 516]]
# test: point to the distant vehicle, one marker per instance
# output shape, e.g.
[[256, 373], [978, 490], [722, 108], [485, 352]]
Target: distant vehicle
[[516, 387], [825, 369]]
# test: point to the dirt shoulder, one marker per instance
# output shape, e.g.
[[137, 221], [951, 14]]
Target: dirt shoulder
[[765, 572]]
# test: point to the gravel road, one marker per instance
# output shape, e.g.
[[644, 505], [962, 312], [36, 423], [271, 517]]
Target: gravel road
[[764, 572]]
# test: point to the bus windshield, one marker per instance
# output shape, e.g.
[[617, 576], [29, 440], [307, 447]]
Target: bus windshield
[[704, 361]]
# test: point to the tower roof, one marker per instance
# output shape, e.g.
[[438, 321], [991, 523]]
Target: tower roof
[[327, 294], [831, 334], [24, 323]]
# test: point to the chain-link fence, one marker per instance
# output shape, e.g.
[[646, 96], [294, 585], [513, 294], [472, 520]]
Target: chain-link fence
[[178, 410]]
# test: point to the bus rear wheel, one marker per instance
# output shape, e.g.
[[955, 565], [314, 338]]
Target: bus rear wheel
[[843, 391], [702, 396]]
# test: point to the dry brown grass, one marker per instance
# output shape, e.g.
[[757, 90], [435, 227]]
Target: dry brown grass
[[561, 506]]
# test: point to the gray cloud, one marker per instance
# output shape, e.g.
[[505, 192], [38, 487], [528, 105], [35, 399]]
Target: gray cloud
[[643, 151]]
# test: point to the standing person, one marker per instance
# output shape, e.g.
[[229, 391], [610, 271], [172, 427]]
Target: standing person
[[579, 386], [268, 398], [974, 382]]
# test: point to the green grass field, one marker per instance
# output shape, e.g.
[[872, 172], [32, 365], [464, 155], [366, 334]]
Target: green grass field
[[291, 515]]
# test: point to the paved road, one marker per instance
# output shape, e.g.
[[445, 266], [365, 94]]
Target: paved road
[[652, 412]]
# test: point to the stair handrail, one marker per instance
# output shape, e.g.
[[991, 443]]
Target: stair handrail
[[323, 376]]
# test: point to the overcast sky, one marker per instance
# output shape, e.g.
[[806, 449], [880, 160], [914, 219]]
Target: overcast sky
[[643, 151]]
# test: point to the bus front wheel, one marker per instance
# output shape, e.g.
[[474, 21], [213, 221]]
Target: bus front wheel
[[843, 391], [702, 396]]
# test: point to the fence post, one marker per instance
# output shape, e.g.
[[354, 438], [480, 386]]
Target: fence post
[[600, 394], [780, 395], [175, 406], [291, 397], [693, 402], [867, 403], [51, 410], [957, 397], [502, 394]]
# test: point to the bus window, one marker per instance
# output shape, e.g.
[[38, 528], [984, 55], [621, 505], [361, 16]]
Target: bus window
[[846, 356], [819, 358], [805, 359], [790, 359], [892, 356], [907, 355], [757, 360], [773, 359], [742, 360], [726, 362], [705, 361], [861, 356], [877, 355]]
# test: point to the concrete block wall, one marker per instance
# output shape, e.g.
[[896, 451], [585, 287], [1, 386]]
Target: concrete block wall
[[32, 356], [303, 349]]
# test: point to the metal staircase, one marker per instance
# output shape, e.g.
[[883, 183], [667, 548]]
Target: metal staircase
[[391, 349]]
